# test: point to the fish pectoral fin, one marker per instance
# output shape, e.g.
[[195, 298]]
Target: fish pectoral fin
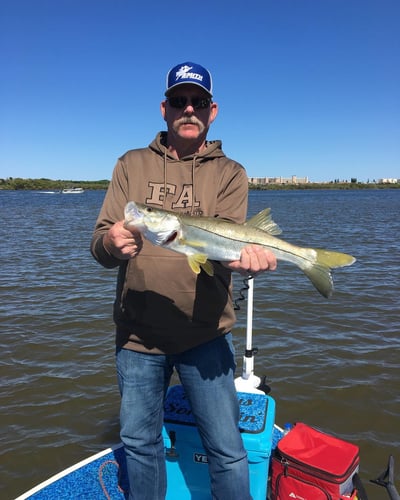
[[200, 260], [263, 221], [191, 243]]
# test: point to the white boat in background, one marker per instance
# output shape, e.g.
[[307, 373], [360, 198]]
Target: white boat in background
[[73, 190]]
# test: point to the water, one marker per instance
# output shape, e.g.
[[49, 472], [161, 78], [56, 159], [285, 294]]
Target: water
[[331, 363]]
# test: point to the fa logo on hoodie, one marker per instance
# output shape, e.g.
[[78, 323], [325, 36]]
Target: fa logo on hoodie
[[184, 200]]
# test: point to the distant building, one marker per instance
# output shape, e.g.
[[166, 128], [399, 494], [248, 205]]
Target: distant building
[[388, 181], [278, 180]]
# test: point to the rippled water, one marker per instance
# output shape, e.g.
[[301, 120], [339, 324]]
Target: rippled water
[[331, 363]]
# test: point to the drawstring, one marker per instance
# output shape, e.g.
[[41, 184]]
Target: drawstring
[[193, 186], [165, 178]]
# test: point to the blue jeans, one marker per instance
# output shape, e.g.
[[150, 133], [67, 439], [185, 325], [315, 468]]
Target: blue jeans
[[207, 375]]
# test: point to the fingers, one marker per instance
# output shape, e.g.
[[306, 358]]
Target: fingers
[[254, 259], [121, 242]]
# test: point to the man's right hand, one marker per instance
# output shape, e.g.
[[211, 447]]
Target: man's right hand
[[122, 243]]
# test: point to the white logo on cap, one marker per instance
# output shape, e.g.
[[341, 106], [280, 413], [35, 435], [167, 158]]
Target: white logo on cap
[[183, 73]]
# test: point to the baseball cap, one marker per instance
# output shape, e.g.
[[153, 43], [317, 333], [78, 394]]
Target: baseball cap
[[189, 72]]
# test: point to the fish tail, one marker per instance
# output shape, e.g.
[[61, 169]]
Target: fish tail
[[319, 273], [334, 259], [321, 277]]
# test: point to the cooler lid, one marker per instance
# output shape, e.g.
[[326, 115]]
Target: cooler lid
[[253, 410]]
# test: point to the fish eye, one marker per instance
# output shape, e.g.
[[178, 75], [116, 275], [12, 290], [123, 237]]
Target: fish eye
[[148, 209]]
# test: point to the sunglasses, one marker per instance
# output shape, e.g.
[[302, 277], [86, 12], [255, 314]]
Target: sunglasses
[[181, 102]]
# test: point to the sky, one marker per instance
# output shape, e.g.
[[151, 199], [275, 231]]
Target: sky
[[305, 87]]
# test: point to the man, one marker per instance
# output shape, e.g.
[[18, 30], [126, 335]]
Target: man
[[167, 316]]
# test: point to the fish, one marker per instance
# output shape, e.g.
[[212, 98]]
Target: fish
[[207, 239]]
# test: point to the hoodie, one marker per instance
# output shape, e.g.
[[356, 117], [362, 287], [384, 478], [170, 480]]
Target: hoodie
[[161, 306]]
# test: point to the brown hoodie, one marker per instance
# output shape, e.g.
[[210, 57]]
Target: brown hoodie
[[161, 306]]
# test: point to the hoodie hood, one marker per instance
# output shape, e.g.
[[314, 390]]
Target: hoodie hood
[[211, 151]]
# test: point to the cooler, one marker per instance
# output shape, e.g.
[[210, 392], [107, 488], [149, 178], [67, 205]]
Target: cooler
[[187, 469]]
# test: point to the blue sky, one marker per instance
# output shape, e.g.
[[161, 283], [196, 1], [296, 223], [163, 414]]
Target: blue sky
[[305, 87]]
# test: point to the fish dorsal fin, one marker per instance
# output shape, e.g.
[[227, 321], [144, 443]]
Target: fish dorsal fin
[[263, 221]]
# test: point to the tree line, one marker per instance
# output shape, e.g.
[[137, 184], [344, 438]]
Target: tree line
[[17, 183]]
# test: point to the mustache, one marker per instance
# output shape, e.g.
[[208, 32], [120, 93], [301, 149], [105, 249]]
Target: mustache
[[189, 120]]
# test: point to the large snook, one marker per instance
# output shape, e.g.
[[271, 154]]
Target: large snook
[[203, 239]]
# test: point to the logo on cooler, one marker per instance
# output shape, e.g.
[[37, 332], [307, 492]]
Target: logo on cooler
[[293, 495], [200, 458], [183, 74]]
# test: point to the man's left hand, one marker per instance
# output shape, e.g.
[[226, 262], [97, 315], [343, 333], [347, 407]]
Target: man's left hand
[[254, 259]]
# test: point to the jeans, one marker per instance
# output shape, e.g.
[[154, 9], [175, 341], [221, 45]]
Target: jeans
[[207, 375]]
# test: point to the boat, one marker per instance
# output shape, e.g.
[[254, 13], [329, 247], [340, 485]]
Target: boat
[[73, 190], [104, 474]]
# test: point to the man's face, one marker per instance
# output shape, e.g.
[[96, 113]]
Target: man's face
[[189, 112]]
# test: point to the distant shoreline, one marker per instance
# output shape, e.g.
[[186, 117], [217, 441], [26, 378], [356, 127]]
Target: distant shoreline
[[324, 185], [18, 184]]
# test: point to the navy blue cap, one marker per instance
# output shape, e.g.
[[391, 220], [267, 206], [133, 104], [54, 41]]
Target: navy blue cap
[[189, 72]]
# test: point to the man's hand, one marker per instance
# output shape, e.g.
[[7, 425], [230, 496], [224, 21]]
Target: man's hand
[[254, 259], [121, 242]]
